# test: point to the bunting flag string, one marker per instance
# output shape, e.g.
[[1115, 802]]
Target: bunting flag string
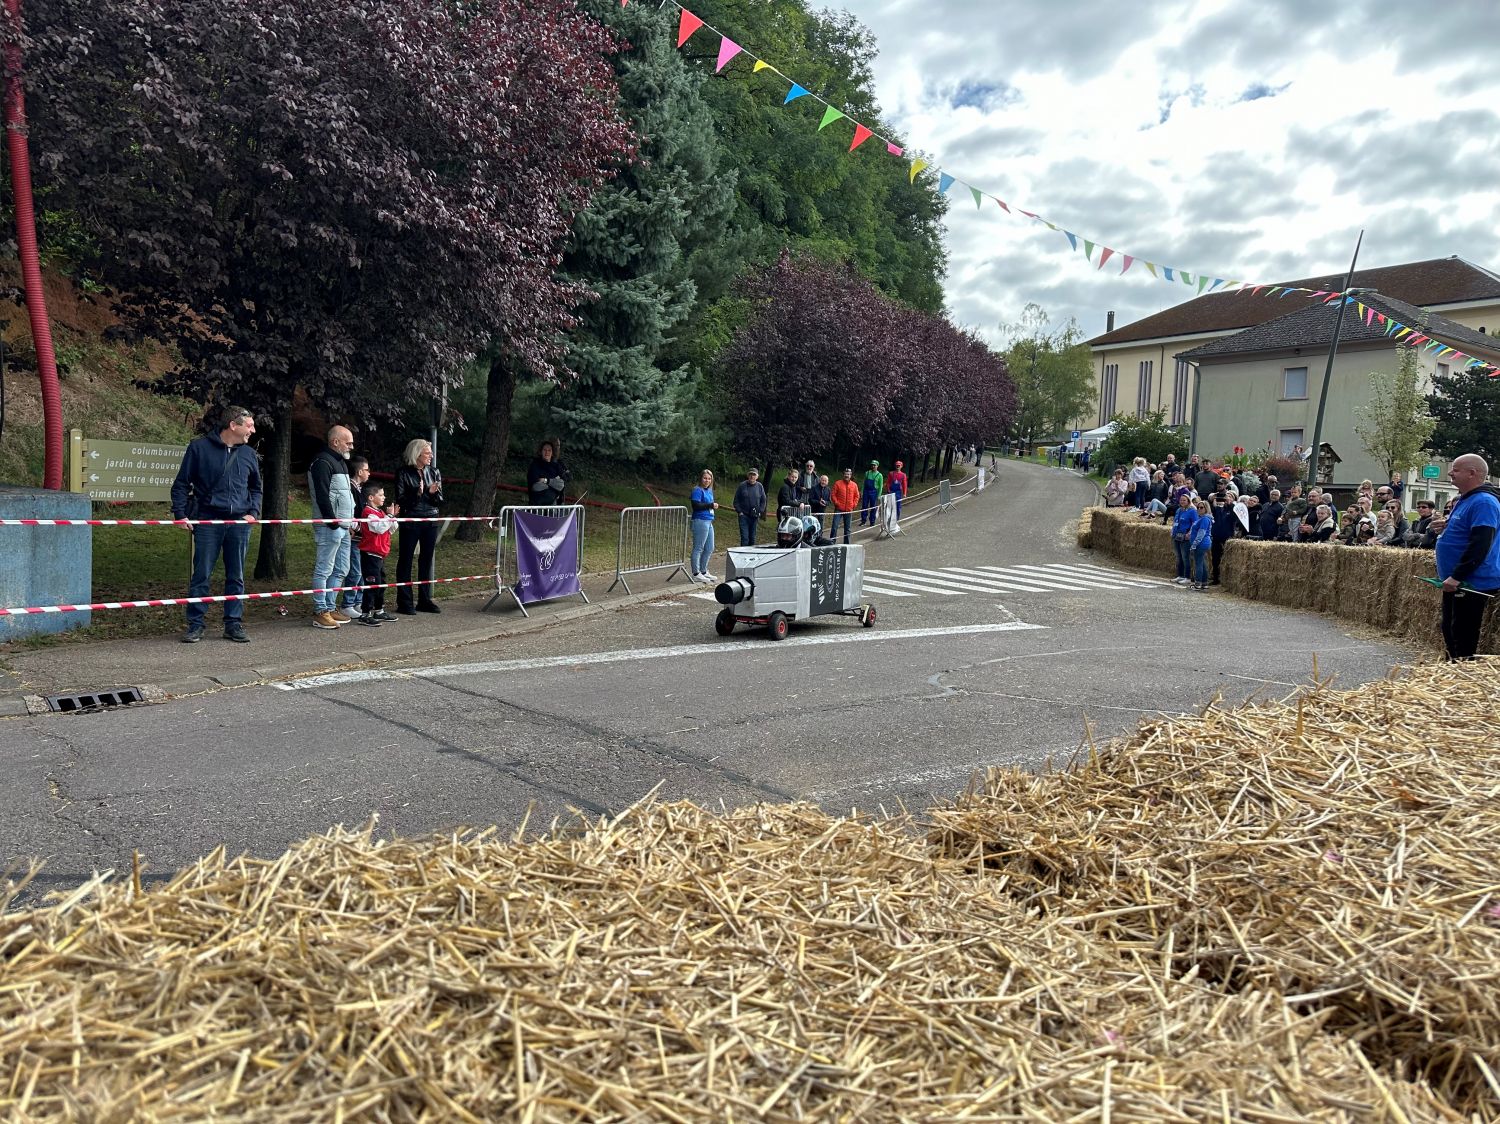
[[1199, 281]]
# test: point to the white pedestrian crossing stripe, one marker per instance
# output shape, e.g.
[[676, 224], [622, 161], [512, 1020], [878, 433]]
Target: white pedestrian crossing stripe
[[960, 581]]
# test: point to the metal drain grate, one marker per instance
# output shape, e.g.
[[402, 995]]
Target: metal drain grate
[[97, 700]]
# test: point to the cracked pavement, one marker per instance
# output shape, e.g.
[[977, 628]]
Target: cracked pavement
[[875, 719]]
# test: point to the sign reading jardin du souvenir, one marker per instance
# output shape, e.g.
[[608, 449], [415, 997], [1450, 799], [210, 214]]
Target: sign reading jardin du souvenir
[[137, 471]]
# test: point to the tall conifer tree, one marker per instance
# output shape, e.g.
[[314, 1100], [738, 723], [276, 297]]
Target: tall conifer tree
[[644, 244]]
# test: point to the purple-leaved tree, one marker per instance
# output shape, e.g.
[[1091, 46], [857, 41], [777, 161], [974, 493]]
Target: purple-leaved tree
[[353, 199]]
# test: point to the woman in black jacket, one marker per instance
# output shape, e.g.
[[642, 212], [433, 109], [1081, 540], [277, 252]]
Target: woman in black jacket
[[419, 492], [547, 478]]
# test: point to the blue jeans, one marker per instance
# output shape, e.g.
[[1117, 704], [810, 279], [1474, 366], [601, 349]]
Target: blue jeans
[[352, 594], [1184, 558], [1200, 564], [209, 541], [703, 544], [747, 529], [898, 496], [331, 565], [845, 517]]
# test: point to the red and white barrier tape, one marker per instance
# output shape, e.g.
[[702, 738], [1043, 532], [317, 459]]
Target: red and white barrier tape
[[159, 601], [235, 522]]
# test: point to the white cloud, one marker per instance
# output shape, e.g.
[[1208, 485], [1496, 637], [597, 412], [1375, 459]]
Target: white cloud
[[1251, 139]]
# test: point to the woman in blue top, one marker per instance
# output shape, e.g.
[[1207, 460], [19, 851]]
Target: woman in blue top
[[703, 526], [1183, 522], [1202, 540]]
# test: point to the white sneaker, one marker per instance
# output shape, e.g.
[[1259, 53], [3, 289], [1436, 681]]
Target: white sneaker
[[706, 576], [1179, 581], [350, 614]]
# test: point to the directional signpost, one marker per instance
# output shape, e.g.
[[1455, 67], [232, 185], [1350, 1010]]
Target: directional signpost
[[137, 471]]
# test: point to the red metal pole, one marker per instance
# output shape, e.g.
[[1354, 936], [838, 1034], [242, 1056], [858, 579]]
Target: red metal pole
[[31, 267]]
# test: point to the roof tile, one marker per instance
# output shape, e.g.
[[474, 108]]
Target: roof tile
[[1439, 281]]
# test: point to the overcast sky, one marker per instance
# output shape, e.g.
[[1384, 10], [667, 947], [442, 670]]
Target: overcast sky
[[1250, 139]]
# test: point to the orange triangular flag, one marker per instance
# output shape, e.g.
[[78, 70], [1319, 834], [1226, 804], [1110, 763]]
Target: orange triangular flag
[[686, 26], [861, 134]]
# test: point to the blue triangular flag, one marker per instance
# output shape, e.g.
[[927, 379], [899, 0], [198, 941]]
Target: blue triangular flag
[[794, 93], [1167, 272], [1072, 239], [945, 181]]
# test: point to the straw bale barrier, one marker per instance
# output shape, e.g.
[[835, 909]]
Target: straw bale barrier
[[769, 964], [1339, 849], [1371, 586]]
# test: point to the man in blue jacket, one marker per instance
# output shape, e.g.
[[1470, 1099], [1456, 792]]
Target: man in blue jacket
[[1468, 556], [219, 478]]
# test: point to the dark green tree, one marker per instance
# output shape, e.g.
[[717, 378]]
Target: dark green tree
[[638, 244], [800, 186], [1466, 404]]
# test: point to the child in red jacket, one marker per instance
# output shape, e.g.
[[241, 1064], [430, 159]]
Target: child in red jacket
[[374, 546]]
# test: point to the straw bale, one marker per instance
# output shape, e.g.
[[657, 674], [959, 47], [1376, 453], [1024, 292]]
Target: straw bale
[[770, 964], [1338, 848], [1085, 533]]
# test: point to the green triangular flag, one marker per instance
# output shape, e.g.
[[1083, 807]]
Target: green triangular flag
[[1088, 249], [830, 115], [978, 197]]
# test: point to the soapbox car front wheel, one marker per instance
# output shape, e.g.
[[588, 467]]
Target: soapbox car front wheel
[[724, 622], [867, 618], [777, 625]]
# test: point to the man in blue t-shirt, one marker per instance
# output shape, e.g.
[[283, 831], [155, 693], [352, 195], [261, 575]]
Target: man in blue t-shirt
[[1468, 555]]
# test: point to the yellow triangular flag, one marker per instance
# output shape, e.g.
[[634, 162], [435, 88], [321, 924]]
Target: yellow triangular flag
[[759, 66], [916, 166]]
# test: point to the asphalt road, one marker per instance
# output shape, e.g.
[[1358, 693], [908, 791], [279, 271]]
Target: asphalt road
[[966, 667]]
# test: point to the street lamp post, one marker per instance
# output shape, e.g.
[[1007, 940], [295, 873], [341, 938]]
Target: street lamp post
[[1333, 347]]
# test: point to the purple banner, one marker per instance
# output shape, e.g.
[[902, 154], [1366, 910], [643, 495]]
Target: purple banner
[[546, 556]]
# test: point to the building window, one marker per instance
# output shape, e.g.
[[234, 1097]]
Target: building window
[[1442, 370], [1143, 389], [1294, 382], [1108, 386], [1180, 393], [1290, 439]]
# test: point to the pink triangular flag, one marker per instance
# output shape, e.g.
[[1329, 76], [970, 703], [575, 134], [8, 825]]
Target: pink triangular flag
[[861, 134], [1129, 261], [1104, 257], [1003, 207], [686, 26], [727, 50], [894, 151]]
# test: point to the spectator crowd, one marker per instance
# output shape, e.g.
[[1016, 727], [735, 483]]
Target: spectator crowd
[[1206, 505]]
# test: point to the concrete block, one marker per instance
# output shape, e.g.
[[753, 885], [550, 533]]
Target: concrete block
[[44, 565]]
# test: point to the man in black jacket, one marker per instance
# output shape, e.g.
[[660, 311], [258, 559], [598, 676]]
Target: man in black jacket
[[750, 505], [219, 479]]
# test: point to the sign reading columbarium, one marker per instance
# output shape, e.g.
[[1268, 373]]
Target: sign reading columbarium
[[135, 471]]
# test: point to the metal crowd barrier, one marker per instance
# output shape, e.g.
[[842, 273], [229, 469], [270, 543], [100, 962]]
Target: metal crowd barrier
[[651, 538], [945, 494], [506, 567]]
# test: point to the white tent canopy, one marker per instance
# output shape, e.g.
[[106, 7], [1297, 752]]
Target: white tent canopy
[[1099, 434]]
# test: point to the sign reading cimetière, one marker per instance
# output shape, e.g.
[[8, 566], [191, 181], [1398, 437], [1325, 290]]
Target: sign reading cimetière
[[1431, 471], [137, 471]]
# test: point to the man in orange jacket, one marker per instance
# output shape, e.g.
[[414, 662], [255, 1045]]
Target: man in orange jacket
[[845, 499]]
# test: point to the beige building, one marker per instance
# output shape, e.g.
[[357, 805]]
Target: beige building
[[1262, 384], [1138, 369]]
